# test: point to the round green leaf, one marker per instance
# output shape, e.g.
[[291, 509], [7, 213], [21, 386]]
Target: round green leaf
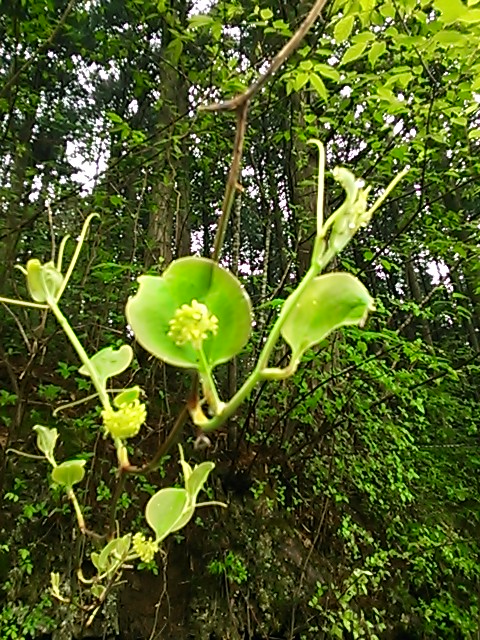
[[164, 510], [151, 309], [69, 472], [330, 301]]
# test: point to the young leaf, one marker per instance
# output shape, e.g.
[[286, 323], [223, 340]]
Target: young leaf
[[109, 362], [165, 509], [330, 301], [152, 308], [197, 479], [46, 441], [69, 473], [127, 396]]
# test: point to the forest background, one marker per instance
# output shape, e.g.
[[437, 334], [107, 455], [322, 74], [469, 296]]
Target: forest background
[[352, 488]]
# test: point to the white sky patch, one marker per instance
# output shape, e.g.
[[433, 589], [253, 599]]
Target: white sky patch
[[201, 6], [438, 271], [87, 170]]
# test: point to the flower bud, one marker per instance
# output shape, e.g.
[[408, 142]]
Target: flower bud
[[145, 549]]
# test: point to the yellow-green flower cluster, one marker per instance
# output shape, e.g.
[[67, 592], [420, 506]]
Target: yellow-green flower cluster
[[192, 323], [145, 549], [126, 421]]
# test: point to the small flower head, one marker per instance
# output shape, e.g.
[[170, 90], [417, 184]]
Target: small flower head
[[145, 549], [354, 213], [126, 421], [192, 323]]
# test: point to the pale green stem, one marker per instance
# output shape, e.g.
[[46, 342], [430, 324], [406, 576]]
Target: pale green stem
[[321, 256], [61, 251], [213, 503], [122, 453], [21, 303], [262, 363], [320, 183], [78, 511], [387, 191], [208, 382], [76, 254], [82, 354]]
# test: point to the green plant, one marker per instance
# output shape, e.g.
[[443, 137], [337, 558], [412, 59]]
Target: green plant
[[195, 315], [231, 566]]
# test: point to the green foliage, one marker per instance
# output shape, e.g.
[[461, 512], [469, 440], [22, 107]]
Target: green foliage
[[363, 462], [231, 566]]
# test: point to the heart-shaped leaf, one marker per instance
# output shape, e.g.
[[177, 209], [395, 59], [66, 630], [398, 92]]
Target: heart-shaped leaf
[[109, 362], [69, 472], [159, 297], [329, 301], [164, 510], [46, 441]]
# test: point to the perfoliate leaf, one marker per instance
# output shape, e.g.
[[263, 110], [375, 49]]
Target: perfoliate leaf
[[330, 301], [109, 362], [111, 554], [152, 308], [165, 509], [69, 473], [46, 441]]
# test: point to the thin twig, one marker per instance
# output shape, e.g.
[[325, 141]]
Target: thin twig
[[240, 105], [13, 80], [281, 57]]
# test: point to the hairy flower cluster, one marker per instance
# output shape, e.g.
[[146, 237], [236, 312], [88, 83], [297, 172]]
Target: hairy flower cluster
[[145, 549], [126, 422], [192, 323]]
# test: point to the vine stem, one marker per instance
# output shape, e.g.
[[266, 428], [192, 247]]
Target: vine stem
[[82, 354]]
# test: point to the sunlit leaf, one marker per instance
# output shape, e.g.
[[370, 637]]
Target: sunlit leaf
[[353, 52], [343, 28]]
